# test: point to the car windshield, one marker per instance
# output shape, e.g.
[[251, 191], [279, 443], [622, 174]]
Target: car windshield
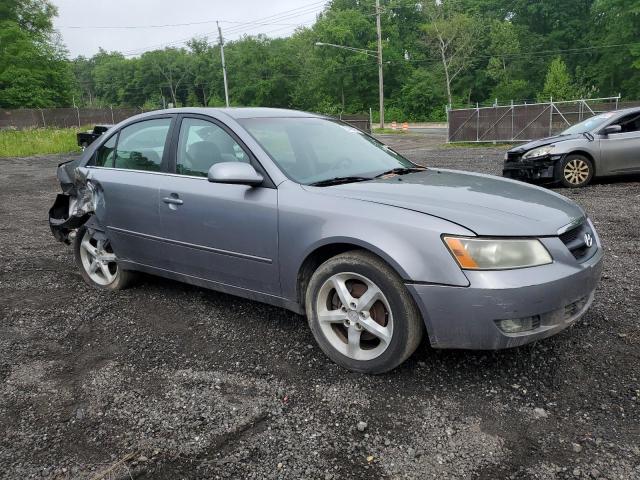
[[311, 150], [589, 124]]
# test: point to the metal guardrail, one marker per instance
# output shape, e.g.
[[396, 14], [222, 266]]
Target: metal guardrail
[[524, 122]]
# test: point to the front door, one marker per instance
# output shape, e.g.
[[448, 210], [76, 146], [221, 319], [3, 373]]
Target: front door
[[219, 232], [621, 151]]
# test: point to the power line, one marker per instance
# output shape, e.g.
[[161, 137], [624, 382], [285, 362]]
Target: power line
[[302, 11], [304, 24], [168, 25], [285, 15]]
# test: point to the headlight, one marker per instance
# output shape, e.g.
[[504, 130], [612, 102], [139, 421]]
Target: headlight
[[497, 254], [539, 152]]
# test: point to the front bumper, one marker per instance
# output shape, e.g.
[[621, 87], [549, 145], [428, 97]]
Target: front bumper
[[465, 317], [542, 168], [60, 222]]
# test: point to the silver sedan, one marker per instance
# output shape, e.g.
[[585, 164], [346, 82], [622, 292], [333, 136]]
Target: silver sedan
[[309, 214], [603, 145]]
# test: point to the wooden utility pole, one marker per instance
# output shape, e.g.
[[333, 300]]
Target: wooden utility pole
[[380, 80], [224, 68]]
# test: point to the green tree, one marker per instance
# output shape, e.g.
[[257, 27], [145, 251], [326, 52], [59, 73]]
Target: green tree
[[83, 69], [504, 66], [616, 68], [33, 68], [338, 76], [455, 36], [558, 83], [206, 70], [435, 51], [422, 97], [116, 79], [169, 69]]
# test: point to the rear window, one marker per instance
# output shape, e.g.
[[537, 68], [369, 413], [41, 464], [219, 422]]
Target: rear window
[[141, 145]]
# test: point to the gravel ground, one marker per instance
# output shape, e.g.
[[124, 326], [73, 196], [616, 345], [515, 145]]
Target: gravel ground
[[165, 380]]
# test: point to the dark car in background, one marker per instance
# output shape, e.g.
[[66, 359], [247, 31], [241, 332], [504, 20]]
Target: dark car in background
[[87, 138], [604, 145]]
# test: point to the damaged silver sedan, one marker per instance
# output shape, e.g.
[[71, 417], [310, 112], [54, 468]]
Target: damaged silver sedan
[[307, 213]]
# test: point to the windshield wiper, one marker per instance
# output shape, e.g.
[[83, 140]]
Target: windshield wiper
[[338, 181], [401, 171]]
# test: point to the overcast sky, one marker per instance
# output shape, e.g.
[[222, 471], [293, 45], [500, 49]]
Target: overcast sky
[[87, 25]]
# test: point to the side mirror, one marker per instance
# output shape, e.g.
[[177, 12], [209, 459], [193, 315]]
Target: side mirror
[[612, 129], [238, 173]]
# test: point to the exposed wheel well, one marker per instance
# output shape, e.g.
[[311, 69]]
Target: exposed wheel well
[[317, 258]]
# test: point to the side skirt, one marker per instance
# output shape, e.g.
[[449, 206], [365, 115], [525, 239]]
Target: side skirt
[[217, 286]]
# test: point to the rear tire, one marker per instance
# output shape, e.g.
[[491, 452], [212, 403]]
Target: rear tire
[[97, 262], [574, 171], [361, 314]]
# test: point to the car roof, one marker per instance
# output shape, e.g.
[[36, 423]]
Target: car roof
[[242, 112], [623, 111]]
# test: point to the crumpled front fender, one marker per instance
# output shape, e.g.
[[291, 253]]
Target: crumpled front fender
[[60, 222], [72, 209]]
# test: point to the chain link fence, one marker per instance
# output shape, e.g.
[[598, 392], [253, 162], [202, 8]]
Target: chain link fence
[[524, 122], [76, 117], [63, 117]]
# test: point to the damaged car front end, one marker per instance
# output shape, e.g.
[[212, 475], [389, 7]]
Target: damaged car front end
[[73, 207], [75, 218], [537, 164]]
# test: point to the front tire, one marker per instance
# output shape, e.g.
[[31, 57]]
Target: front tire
[[361, 314], [97, 262], [574, 171]]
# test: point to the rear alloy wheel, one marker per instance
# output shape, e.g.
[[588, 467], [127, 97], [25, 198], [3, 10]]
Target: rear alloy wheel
[[97, 261], [361, 314], [575, 171]]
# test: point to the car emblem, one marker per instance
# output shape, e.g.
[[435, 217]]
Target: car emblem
[[588, 239]]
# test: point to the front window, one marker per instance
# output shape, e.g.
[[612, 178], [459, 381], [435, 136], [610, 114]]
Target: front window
[[629, 123], [589, 124], [311, 150], [203, 144]]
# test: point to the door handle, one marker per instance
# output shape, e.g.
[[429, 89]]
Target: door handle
[[172, 200]]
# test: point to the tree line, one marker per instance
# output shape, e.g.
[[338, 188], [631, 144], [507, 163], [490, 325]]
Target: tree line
[[436, 52]]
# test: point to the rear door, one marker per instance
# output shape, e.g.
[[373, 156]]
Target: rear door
[[219, 232], [128, 168], [621, 151]]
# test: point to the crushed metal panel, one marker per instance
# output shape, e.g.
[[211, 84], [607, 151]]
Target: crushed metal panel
[[72, 209]]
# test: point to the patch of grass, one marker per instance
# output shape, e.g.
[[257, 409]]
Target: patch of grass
[[38, 141], [387, 131]]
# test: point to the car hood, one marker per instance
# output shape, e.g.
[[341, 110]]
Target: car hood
[[546, 141], [484, 204]]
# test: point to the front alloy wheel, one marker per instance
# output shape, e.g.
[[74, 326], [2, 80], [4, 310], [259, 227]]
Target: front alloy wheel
[[97, 261], [361, 314], [575, 171], [354, 316]]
